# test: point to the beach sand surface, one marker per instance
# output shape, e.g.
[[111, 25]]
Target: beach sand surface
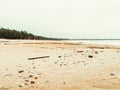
[[68, 66]]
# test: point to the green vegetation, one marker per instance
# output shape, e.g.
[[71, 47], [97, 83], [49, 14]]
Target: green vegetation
[[14, 34]]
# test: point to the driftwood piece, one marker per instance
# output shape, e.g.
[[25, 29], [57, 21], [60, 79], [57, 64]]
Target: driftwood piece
[[38, 57]]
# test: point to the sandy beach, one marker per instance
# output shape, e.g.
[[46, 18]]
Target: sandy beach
[[68, 66]]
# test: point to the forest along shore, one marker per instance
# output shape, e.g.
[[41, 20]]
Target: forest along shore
[[58, 65]]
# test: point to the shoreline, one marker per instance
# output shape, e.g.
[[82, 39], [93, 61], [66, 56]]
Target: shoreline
[[59, 42]]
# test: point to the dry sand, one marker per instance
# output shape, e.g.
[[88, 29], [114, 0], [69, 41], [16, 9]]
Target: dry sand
[[70, 66]]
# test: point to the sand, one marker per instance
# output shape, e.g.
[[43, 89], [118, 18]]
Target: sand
[[70, 66]]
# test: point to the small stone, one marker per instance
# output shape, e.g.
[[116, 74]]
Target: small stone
[[6, 69], [39, 73], [60, 64], [74, 63], [32, 82], [82, 54], [59, 56], [21, 71], [55, 62], [21, 85], [35, 77], [26, 80], [34, 67], [112, 74], [83, 61], [90, 56], [30, 76], [79, 51], [96, 52]]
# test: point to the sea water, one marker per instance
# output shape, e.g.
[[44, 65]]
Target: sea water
[[101, 42]]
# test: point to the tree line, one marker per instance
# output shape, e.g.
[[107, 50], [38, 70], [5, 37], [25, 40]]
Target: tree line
[[14, 34]]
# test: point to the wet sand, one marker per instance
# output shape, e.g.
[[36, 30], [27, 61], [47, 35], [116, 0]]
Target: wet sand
[[70, 66]]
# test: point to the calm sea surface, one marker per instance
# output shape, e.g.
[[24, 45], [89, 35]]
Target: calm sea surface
[[102, 42]]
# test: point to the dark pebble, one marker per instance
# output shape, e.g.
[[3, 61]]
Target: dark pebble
[[21, 71], [30, 76], [32, 82], [20, 85], [79, 51], [60, 64], [34, 67], [59, 56], [96, 52], [35, 77], [112, 74], [90, 56], [26, 80]]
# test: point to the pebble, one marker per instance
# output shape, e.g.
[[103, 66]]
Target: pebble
[[30, 76], [59, 56], [26, 80], [90, 56], [6, 69], [60, 64], [112, 74], [35, 77], [34, 67], [79, 51], [21, 71], [55, 62], [32, 82], [21, 85], [96, 52], [39, 73]]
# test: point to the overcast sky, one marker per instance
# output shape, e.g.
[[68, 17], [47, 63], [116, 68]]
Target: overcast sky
[[63, 18]]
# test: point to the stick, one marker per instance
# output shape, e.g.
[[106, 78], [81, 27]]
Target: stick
[[38, 57]]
